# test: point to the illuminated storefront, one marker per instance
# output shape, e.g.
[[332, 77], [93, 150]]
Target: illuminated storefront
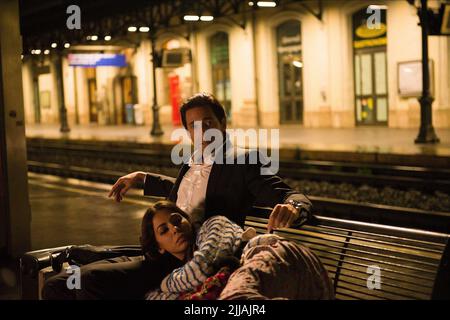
[[286, 67]]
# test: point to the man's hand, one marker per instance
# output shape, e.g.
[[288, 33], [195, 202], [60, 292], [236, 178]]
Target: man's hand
[[124, 183], [282, 216]]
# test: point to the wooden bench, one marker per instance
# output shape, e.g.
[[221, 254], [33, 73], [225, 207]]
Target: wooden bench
[[413, 264]]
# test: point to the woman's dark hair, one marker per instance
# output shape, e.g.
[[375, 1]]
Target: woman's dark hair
[[149, 244], [202, 100]]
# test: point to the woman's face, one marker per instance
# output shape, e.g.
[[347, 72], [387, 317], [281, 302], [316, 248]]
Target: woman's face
[[173, 233]]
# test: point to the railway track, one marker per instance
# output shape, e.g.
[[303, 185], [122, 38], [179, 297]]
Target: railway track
[[382, 214], [402, 177]]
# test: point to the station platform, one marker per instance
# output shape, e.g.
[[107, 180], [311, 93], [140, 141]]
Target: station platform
[[361, 144], [69, 211]]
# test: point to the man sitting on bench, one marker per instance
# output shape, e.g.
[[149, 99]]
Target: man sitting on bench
[[202, 189]]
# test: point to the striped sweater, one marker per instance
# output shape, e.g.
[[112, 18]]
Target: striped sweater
[[218, 237]]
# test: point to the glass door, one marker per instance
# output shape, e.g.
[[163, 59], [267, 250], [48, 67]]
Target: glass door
[[221, 70], [290, 67]]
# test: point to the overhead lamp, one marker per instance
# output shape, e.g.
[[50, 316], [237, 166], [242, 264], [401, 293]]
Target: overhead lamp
[[144, 29], [54, 45], [377, 7], [132, 29], [94, 38], [251, 3], [37, 51], [66, 45], [191, 18], [206, 18], [107, 38], [266, 4], [46, 51], [297, 64]]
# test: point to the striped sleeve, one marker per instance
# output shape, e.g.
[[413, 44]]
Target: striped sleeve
[[217, 237]]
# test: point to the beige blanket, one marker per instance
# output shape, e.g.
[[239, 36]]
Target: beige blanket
[[276, 268]]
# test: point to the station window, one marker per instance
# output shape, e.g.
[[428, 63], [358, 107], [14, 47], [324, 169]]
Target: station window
[[129, 98], [370, 65], [91, 77], [220, 67], [290, 66]]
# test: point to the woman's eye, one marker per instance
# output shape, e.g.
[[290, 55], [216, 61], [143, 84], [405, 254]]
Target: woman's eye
[[163, 230]]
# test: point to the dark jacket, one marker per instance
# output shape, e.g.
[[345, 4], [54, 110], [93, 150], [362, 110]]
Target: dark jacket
[[232, 190]]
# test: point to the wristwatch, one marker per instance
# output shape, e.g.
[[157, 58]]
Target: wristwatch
[[303, 214]]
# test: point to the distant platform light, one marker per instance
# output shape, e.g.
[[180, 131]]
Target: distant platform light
[[297, 64], [37, 51], [33, 51], [66, 45], [206, 18], [46, 51], [144, 29], [251, 3], [54, 45], [173, 44], [377, 7], [266, 4], [191, 18], [21, 56], [88, 38], [132, 29], [107, 38], [94, 38]]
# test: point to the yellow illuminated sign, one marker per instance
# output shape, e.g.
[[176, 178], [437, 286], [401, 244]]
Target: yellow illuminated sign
[[366, 33], [369, 43]]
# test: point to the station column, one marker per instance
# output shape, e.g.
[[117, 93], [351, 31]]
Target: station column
[[60, 87], [15, 215], [156, 126], [426, 131]]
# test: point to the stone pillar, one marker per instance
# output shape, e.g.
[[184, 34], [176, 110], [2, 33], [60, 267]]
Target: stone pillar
[[15, 215], [60, 88]]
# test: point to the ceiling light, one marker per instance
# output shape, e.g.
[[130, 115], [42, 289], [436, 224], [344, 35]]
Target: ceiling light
[[132, 29], [297, 64], [377, 7], [206, 18], [191, 18], [266, 4]]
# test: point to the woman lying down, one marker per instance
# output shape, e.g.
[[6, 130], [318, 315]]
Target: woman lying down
[[270, 267]]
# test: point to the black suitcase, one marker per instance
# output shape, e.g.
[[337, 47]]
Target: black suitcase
[[33, 263]]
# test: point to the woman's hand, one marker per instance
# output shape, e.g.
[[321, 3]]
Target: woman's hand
[[120, 188]]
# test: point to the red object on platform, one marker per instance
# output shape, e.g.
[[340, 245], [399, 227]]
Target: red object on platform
[[175, 98]]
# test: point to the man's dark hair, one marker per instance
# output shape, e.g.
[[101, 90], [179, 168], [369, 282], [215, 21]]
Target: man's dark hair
[[202, 100], [149, 244]]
